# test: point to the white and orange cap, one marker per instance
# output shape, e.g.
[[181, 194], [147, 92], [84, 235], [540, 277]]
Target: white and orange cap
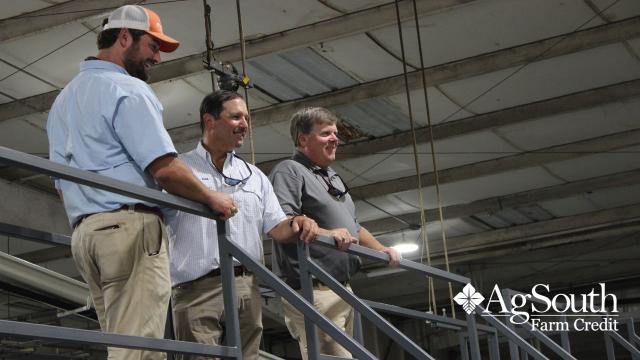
[[139, 18]]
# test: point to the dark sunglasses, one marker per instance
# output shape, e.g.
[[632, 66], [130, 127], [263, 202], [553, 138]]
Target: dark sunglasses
[[231, 181], [332, 190]]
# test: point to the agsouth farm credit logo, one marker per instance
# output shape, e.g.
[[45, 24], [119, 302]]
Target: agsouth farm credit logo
[[593, 311]]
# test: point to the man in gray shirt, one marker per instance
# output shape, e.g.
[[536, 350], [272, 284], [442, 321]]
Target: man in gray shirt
[[307, 185]]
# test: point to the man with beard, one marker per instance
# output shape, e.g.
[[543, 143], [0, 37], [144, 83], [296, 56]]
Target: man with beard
[[307, 185], [109, 121], [198, 308]]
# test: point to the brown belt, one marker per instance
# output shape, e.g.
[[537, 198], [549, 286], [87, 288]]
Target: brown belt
[[144, 209], [135, 207], [238, 270]]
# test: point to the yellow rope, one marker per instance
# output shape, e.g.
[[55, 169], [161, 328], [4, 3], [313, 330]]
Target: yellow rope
[[245, 79], [433, 155], [423, 221]]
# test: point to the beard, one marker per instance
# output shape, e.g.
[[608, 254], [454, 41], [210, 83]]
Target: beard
[[134, 63]]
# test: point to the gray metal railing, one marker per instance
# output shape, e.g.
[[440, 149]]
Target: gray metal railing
[[228, 251], [563, 350], [308, 267]]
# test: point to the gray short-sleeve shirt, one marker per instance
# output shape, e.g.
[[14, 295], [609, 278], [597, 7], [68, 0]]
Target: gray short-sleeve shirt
[[301, 189]]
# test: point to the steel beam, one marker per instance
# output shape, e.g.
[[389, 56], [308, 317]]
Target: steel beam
[[330, 29], [477, 65], [59, 14], [503, 117], [503, 164], [497, 203], [473, 66], [616, 219]]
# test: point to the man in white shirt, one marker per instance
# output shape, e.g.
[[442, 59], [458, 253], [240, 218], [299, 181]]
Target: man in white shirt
[[195, 273]]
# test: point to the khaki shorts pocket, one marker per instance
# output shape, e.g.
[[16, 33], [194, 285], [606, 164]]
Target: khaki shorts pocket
[[152, 237], [114, 250]]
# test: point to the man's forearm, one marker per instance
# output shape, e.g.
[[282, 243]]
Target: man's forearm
[[175, 177], [368, 240]]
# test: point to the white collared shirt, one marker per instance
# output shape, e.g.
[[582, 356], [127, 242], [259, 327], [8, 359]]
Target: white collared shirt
[[193, 239]]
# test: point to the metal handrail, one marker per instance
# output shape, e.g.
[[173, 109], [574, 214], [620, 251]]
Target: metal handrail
[[91, 337], [560, 350], [227, 248], [511, 335], [623, 342], [309, 267]]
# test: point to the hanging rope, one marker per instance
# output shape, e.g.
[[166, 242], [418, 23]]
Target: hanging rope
[[433, 154], [423, 221], [209, 43], [245, 80]]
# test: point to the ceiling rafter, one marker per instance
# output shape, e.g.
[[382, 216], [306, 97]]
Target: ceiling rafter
[[330, 29], [503, 164], [477, 65], [498, 203], [566, 226], [59, 14], [510, 116], [436, 75], [517, 114]]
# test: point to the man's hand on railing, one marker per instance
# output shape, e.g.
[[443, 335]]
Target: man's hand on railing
[[306, 227], [343, 238], [394, 256], [222, 204]]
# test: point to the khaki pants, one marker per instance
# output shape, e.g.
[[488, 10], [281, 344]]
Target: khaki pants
[[198, 313], [122, 255], [333, 307]]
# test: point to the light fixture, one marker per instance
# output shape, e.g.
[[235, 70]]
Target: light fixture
[[404, 248]]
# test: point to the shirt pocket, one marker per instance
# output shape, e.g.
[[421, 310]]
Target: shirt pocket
[[249, 201]]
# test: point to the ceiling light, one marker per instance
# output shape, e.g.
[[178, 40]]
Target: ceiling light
[[404, 248]]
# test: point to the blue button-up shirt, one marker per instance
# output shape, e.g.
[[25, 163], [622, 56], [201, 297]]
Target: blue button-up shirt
[[110, 123]]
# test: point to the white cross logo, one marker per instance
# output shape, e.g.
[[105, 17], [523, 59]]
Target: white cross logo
[[468, 298]]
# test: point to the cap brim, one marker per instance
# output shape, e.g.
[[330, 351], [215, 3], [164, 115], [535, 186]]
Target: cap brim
[[167, 44]]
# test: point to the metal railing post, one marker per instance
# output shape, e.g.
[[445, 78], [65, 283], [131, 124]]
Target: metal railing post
[[514, 352], [633, 338], [608, 343], [357, 327], [494, 346], [464, 346], [232, 323], [306, 284], [474, 343], [564, 340], [381, 323]]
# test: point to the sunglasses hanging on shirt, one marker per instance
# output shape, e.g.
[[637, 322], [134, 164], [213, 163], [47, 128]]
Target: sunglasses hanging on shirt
[[231, 181], [332, 190]]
